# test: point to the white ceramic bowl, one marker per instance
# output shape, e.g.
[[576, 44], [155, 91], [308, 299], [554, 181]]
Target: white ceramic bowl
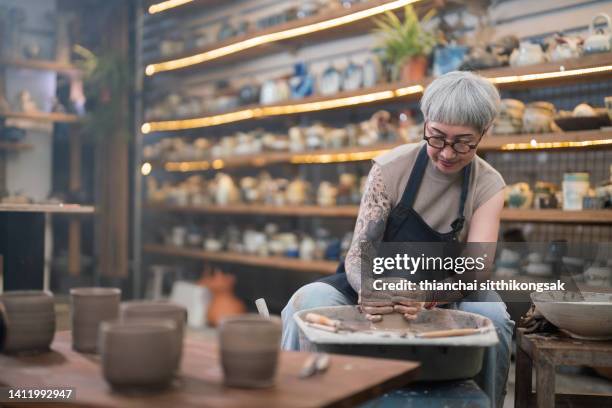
[[585, 315]]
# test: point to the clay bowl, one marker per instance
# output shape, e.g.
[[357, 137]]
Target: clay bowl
[[249, 346], [585, 315], [138, 354], [28, 321], [89, 307], [161, 310]]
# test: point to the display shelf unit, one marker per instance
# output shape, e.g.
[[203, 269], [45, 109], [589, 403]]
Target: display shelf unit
[[326, 26], [589, 67], [276, 262], [601, 139], [45, 65], [585, 70], [351, 211], [43, 116]]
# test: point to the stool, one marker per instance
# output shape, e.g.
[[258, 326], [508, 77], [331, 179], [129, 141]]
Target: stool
[[456, 394], [545, 352]]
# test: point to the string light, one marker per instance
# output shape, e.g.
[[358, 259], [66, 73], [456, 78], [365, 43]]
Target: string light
[[533, 144], [146, 168], [165, 5], [274, 37]]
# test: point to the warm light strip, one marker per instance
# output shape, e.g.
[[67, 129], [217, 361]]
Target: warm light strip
[[266, 111], [342, 102], [336, 157], [550, 75], [555, 145], [273, 37], [165, 5]]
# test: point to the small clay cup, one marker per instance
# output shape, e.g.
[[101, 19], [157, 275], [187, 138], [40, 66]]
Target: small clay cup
[[28, 321], [160, 310], [138, 354], [89, 307], [249, 346]]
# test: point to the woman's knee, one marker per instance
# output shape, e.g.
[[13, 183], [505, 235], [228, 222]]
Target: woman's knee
[[316, 294], [491, 306]]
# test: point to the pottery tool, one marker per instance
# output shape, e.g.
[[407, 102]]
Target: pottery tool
[[331, 329], [448, 333], [315, 318], [262, 308], [314, 364]]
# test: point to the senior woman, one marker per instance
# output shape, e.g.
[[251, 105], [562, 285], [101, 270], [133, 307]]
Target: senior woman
[[434, 191]]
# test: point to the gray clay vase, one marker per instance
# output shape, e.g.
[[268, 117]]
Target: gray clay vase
[[160, 310], [89, 307], [28, 321], [249, 346], [138, 353]]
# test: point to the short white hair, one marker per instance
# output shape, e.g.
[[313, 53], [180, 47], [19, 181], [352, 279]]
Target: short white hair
[[461, 98]]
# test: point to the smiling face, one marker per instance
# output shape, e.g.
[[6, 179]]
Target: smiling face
[[447, 160]]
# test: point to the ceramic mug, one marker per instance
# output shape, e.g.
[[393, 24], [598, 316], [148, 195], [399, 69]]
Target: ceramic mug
[[89, 307], [135, 310], [28, 321], [135, 353], [249, 346]]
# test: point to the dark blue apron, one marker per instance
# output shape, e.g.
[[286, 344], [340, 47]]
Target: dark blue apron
[[404, 224]]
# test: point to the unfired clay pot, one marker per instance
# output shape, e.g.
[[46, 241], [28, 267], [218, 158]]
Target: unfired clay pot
[[249, 346], [138, 353], [161, 310], [89, 307], [28, 321]]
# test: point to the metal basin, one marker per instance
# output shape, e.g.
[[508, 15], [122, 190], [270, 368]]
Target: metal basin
[[584, 315], [447, 358]]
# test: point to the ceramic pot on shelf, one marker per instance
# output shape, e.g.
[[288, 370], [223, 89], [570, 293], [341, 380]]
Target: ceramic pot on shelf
[[224, 303], [527, 54], [413, 69], [599, 40]]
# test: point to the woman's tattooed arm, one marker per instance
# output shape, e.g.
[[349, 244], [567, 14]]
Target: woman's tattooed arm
[[370, 226]]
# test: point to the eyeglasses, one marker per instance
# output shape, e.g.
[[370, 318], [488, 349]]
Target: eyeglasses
[[440, 143]]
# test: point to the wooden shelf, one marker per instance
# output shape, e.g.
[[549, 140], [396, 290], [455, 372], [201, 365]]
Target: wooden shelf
[[43, 116], [276, 262], [351, 211], [11, 146], [558, 216], [48, 208], [286, 36], [545, 141], [182, 9], [261, 209], [44, 65], [507, 77], [548, 141]]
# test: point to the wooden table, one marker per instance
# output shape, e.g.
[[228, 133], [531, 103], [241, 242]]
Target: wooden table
[[546, 352], [349, 380]]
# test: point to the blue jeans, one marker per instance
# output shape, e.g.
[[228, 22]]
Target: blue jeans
[[494, 373]]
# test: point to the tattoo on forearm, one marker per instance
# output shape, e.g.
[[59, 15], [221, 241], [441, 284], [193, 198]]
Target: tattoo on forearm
[[370, 226]]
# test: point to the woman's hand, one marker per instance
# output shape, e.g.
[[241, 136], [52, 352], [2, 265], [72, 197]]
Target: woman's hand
[[374, 309], [409, 308]]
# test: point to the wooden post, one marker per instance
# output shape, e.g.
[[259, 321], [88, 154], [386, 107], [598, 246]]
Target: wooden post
[[523, 376], [74, 227], [545, 382]]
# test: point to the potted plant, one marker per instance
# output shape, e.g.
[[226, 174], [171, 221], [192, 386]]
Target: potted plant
[[406, 45]]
